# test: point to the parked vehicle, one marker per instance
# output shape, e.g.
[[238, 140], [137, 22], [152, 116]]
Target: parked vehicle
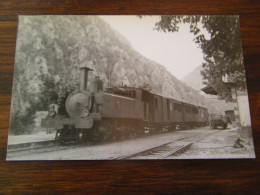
[[218, 121]]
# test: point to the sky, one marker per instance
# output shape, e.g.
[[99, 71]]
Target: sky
[[176, 51]]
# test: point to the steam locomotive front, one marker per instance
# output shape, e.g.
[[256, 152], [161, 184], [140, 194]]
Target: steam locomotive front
[[79, 106], [80, 103]]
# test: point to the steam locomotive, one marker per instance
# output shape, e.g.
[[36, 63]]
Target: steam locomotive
[[118, 112]]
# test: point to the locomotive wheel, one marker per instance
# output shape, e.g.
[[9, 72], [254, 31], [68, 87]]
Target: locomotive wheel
[[97, 137], [81, 136], [137, 131], [107, 130], [119, 130], [128, 132], [96, 134], [172, 128], [58, 139]]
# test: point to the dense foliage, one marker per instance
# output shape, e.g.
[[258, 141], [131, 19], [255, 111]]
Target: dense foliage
[[222, 50]]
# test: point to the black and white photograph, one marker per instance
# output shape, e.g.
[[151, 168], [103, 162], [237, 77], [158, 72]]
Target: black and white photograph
[[129, 87]]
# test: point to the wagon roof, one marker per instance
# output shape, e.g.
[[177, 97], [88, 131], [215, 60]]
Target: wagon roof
[[154, 93]]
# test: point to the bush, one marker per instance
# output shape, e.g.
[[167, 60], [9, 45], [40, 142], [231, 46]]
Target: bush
[[22, 124]]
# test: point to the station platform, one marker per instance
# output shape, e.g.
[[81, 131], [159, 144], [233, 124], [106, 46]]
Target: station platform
[[37, 137]]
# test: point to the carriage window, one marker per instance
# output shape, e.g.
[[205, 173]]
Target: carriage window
[[132, 94], [177, 107], [122, 91], [156, 103], [187, 109], [195, 110], [170, 106]]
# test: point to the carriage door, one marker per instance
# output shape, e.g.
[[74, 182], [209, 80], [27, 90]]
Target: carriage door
[[148, 106], [146, 111], [183, 112], [168, 110]]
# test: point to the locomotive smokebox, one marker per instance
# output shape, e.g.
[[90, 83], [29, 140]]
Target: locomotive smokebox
[[83, 80]]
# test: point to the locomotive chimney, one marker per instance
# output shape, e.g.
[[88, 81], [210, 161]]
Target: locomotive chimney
[[83, 80]]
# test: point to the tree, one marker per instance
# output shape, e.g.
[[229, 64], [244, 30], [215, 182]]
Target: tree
[[222, 51]]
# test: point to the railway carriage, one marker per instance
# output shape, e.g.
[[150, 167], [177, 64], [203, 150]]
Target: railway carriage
[[190, 115], [203, 116]]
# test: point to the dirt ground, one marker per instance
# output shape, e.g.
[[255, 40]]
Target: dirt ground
[[222, 145]]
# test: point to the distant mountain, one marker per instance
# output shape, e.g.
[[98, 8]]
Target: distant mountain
[[194, 79]]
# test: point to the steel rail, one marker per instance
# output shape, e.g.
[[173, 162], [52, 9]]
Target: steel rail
[[176, 148]]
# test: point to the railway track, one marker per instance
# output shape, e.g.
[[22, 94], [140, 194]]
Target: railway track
[[161, 151], [166, 150]]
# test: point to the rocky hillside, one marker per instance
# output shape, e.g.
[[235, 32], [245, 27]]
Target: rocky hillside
[[50, 50]]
